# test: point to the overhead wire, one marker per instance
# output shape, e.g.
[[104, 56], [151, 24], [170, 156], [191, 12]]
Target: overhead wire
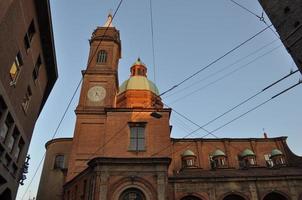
[[213, 62], [71, 99], [236, 106], [224, 68], [152, 39], [261, 18], [226, 75]]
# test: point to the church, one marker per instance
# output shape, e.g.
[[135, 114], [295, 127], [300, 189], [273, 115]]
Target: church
[[122, 147]]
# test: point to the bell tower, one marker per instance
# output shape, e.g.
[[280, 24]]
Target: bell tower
[[100, 79], [99, 90]]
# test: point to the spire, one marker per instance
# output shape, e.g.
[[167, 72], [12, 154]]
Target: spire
[[108, 23]]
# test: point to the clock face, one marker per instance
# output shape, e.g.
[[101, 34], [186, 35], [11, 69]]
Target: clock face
[[96, 93]]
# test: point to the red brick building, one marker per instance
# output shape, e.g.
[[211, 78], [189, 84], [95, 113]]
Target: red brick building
[[27, 74], [122, 149]]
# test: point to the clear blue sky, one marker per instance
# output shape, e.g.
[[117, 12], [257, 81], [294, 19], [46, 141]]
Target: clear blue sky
[[187, 35]]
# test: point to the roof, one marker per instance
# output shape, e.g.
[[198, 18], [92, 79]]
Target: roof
[[188, 153], [247, 152], [138, 83], [217, 153], [276, 152]]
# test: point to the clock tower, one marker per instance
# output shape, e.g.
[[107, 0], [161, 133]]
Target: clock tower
[[98, 93], [100, 79]]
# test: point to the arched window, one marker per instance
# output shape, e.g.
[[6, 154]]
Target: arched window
[[102, 56], [59, 162], [274, 196], [132, 194]]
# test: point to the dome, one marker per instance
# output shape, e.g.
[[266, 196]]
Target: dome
[[138, 83], [276, 152], [138, 79], [247, 152], [188, 153], [217, 153]]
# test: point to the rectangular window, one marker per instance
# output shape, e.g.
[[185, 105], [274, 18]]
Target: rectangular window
[[15, 68], [12, 139], [19, 149], [137, 136], [37, 68], [59, 162], [29, 35], [4, 128], [26, 99]]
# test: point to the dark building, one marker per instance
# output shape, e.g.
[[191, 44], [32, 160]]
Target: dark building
[[122, 149], [286, 16], [28, 72]]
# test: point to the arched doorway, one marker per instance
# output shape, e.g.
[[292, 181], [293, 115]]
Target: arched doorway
[[132, 194], [274, 196], [6, 195], [190, 198], [233, 197]]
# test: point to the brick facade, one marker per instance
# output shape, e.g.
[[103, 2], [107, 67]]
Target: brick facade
[[122, 148], [27, 74]]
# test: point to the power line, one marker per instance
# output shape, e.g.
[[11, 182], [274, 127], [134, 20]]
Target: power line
[[152, 39], [245, 113], [256, 107], [226, 75], [245, 8], [261, 18], [70, 101], [223, 69], [215, 61]]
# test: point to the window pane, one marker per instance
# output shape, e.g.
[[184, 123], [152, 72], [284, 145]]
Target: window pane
[[59, 162], [140, 144], [132, 145], [13, 71], [140, 132]]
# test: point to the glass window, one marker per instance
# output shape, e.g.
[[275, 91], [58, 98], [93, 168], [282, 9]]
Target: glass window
[[26, 99], [137, 138], [16, 66], [37, 68], [29, 35], [59, 162], [102, 57]]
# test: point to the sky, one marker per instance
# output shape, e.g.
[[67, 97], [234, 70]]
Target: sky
[[188, 35]]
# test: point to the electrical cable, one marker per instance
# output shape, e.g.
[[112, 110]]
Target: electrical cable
[[215, 61], [152, 39], [254, 108], [225, 68], [261, 18], [70, 101], [226, 75]]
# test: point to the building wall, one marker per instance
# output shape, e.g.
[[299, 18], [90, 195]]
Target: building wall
[[53, 178], [203, 148], [286, 17], [22, 97], [108, 135]]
